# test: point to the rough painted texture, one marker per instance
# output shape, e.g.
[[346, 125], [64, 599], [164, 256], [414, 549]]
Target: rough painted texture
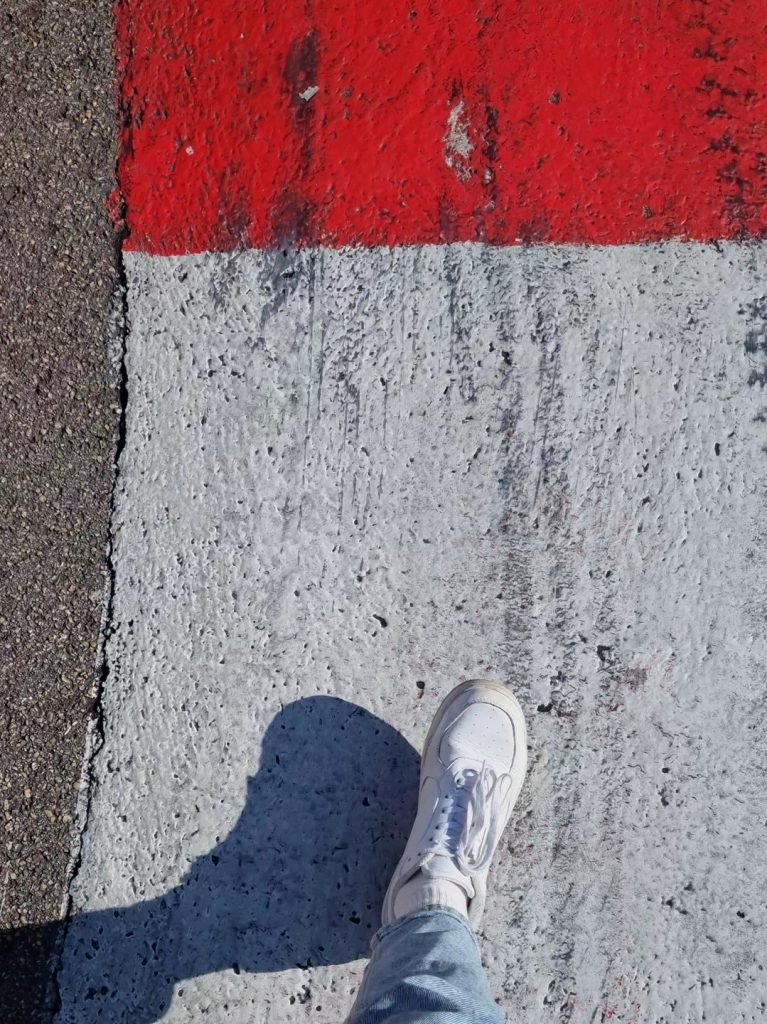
[[347, 473], [408, 122]]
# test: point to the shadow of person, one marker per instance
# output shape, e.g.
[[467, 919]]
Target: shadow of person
[[299, 880]]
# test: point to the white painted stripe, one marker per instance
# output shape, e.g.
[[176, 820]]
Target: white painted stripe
[[349, 471]]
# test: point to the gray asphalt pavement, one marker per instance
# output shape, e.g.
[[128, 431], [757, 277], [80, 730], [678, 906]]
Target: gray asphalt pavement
[[57, 428]]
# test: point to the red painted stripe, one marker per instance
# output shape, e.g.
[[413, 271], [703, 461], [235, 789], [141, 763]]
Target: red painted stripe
[[509, 121]]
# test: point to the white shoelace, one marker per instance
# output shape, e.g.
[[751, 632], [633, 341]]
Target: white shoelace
[[471, 817]]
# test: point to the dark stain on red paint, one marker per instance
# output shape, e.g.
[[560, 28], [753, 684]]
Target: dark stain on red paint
[[573, 121], [291, 217], [291, 222], [233, 221], [301, 73], [449, 228]]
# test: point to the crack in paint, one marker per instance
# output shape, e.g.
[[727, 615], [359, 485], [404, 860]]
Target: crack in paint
[[117, 333]]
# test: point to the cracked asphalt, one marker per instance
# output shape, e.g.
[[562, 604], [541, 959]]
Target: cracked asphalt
[[58, 419]]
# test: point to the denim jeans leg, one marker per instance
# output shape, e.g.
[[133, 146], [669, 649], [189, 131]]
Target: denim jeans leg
[[425, 969]]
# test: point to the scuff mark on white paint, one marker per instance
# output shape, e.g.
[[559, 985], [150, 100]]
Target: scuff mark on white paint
[[555, 563]]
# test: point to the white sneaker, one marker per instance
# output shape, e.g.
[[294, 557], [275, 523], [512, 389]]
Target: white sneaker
[[472, 770]]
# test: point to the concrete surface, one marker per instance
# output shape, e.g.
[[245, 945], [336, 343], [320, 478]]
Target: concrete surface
[[351, 478], [57, 419]]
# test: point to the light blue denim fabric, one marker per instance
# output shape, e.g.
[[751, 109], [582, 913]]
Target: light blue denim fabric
[[425, 969]]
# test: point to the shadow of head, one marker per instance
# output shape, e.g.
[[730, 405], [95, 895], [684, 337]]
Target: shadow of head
[[298, 881]]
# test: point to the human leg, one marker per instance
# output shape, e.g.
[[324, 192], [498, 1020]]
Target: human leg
[[425, 969], [425, 966]]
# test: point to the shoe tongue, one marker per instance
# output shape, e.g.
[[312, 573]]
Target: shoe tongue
[[444, 867]]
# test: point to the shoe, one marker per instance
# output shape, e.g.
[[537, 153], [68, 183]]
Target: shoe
[[472, 770]]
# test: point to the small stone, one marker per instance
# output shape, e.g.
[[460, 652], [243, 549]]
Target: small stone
[[27, 793]]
